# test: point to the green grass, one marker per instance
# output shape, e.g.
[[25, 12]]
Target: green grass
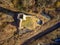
[[27, 22]]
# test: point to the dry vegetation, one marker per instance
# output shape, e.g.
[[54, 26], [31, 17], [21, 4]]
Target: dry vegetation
[[7, 30], [47, 38]]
